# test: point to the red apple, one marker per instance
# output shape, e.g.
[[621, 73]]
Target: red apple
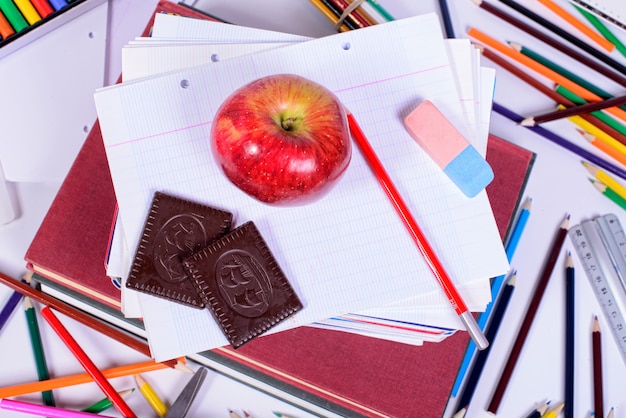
[[282, 139]]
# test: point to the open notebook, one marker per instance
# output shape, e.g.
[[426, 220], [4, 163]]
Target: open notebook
[[156, 138]]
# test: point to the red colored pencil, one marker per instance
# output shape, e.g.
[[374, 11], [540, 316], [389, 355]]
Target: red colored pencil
[[87, 364], [43, 7], [529, 317], [453, 295]]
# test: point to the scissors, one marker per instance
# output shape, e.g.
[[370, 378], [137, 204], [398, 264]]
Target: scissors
[[181, 405]]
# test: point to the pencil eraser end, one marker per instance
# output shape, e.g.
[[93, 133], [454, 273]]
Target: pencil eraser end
[[449, 149]]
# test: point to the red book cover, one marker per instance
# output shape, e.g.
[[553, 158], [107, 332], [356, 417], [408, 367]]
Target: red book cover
[[71, 244]]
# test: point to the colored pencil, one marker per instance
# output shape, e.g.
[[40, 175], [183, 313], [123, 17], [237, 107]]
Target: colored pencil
[[9, 307], [496, 286], [601, 135], [447, 18], [608, 145], [76, 314], [563, 34], [574, 111], [41, 410], [611, 413], [319, 5], [460, 413], [58, 4], [598, 391], [233, 414], [539, 411], [578, 25], [597, 120], [603, 29], [607, 119], [13, 15], [381, 10], [81, 378], [87, 363], [570, 295], [28, 11], [35, 341], [491, 333], [104, 404], [602, 176], [336, 11], [540, 288], [608, 192], [352, 9], [43, 7], [6, 29], [532, 64], [562, 142], [540, 35], [554, 412], [151, 396], [447, 285], [543, 60]]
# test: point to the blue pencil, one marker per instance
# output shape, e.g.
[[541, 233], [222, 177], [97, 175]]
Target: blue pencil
[[10, 306], [496, 285], [492, 330]]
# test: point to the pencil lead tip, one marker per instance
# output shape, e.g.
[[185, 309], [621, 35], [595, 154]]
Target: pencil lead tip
[[530, 121]]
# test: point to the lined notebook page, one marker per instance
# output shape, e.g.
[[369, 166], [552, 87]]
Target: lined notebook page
[[348, 251]]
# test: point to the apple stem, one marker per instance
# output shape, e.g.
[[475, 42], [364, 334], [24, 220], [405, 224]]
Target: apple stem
[[287, 124]]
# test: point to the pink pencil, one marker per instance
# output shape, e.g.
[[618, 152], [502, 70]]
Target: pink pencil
[[87, 364], [42, 410]]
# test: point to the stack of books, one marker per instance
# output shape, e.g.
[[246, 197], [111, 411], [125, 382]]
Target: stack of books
[[71, 249]]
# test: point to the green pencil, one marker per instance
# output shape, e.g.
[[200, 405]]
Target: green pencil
[[562, 71], [105, 403], [604, 117], [381, 10], [604, 31], [35, 341], [13, 15], [610, 193]]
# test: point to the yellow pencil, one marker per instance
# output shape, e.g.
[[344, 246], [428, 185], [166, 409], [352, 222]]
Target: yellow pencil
[[606, 179], [151, 396], [28, 10], [554, 412]]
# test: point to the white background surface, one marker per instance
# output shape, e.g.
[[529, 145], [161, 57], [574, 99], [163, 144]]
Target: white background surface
[[558, 186]]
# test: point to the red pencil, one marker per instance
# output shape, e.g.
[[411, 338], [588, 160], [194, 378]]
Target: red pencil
[[453, 295], [86, 362]]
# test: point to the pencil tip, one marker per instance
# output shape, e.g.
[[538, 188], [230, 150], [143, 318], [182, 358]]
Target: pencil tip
[[528, 122]]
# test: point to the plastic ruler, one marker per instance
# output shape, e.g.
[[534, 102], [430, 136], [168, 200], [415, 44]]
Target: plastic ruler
[[601, 246]]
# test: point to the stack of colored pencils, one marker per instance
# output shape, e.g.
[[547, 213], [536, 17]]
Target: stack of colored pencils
[[352, 14]]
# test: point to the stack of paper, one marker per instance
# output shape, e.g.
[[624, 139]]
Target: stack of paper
[[348, 255]]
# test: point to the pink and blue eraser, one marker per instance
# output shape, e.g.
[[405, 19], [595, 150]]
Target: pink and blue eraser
[[449, 149]]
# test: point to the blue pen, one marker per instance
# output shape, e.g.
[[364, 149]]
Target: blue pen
[[495, 290]]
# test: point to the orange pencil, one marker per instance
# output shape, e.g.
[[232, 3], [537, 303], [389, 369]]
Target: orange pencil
[[579, 25], [614, 149], [542, 69], [81, 378], [6, 29]]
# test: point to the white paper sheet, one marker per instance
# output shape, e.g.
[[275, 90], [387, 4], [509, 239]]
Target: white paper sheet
[[156, 136]]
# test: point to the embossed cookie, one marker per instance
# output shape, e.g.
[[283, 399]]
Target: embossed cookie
[[242, 284], [174, 229]]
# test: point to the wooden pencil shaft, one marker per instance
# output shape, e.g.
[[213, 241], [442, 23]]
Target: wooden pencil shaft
[[580, 110], [492, 56], [85, 319], [607, 72], [528, 320], [599, 55]]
